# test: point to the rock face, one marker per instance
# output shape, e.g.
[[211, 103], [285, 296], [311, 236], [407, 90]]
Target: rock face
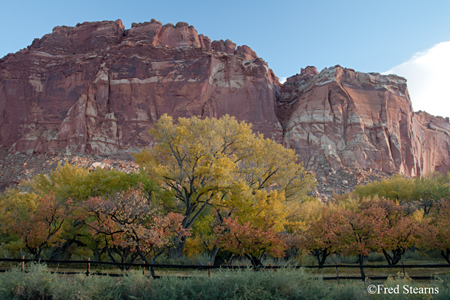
[[342, 118], [97, 88]]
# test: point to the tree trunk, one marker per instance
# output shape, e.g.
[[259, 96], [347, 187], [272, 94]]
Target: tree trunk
[[321, 256], [223, 258], [177, 251], [361, 268], [256, 262], [446, 254], [388, 257], [395, 258], [142, 256], [212, 255], [60, 251]]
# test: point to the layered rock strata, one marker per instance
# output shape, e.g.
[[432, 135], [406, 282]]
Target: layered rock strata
[[98, 88], [342, 118]]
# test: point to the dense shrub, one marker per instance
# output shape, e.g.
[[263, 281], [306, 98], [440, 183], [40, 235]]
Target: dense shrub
[[39, 283]]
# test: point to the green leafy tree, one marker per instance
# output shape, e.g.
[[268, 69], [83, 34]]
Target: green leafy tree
[[425, 191], [79, 184], [431, 189], [396, 188]]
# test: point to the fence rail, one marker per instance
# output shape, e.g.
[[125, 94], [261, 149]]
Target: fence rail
[[209, 267]]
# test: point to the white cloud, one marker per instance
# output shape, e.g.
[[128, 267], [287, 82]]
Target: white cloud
[[428, 75], [282, 79]]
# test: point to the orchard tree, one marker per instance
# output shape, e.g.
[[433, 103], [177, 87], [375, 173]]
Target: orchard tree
[[360, 231], [250, 241], [319, 238], [434, 232], [401, 228], [40, 226], [220, 164], [13, 200], [79, 184], [131, 225]]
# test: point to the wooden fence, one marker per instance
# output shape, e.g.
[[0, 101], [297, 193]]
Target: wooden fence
[[87, 263]]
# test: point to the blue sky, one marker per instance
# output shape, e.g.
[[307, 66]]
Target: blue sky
[[368, 36]]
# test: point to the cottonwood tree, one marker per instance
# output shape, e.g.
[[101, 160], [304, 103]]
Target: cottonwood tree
[[220, 164], [424, 191], [396, 188], [430, 190]]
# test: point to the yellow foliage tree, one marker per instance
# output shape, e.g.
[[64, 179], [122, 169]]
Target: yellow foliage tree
[[219, 166], [13, 200], [64, 181]]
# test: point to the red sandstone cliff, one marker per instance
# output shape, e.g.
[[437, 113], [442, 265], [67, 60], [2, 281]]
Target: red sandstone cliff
[[98, 88], [340, 117]]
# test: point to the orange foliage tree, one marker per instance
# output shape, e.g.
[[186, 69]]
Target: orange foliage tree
[[434, 232], [131, 226], [400, 231], [359, 231], [370, 225], [250, 241], [319, 238], [40, 227]]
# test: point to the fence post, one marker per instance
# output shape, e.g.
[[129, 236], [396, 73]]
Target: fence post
[[403, 269], [22, 267], [88, 267], [337, 273], [209, 269]]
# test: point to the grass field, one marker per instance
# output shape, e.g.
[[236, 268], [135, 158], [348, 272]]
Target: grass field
[[39, 283], [285, 283]]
